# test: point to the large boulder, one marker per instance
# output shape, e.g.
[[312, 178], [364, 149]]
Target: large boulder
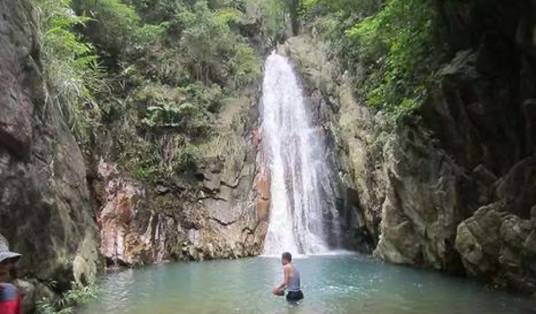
[[500, 247]]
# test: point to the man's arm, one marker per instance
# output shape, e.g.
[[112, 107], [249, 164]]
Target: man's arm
[[286, 277], [280, 290]]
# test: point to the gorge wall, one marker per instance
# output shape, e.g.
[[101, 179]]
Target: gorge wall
[[45, 207], [214, 207], [205, 214], [71, 212], [452, 187]]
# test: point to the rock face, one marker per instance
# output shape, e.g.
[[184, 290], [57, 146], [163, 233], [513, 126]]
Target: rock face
[[499, 246], [121, 201], [45, 209], [334, 109], [453, 190], [49, 215], [212, 212]]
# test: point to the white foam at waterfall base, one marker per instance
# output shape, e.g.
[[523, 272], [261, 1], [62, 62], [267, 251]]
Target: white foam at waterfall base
[[299, 173]]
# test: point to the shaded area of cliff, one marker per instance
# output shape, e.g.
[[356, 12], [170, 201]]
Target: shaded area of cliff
[[449, 184]]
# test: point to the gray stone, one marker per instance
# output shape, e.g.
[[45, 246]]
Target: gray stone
[[45, 210], [450, 189]]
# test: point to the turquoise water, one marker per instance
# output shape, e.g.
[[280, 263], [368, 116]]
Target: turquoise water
[[331, 284]]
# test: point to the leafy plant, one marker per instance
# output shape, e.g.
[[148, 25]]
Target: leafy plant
[[274, 18], [211, 48], [150, 34], [159, 71], [397, 46], [70, 65], [66, 304], [113, 24], [390, 47], [361, 7]]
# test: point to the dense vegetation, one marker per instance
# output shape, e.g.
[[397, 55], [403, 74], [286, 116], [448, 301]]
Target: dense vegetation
[[158, 70], [390, 47], [67, 302], [152, 73]]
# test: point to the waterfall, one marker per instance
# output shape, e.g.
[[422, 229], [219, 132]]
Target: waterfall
[[302, 201]]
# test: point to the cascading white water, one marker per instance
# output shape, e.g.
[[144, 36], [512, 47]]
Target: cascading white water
[[299, 172]]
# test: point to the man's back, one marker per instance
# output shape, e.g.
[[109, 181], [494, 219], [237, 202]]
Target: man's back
[[294, 280], [293, 286]]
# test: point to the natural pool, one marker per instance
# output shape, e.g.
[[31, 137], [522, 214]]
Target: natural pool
[[332, 284]]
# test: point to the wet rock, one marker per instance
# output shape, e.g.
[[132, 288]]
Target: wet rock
[[263, 196], [121, 199], [478, 239]]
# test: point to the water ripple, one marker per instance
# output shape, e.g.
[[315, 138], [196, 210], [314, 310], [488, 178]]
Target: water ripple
[[332, 284]]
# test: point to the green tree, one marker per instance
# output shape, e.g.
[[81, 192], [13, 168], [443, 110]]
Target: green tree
[[112, 24], [294, 11], [212, 49], [397, 46]]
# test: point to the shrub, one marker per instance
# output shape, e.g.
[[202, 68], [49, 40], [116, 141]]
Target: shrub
[[397, 47], [69, 65], [212, 49], [181, 109], [66, 304], [274, 18], [390, 47], [113, 24], [361, 7]]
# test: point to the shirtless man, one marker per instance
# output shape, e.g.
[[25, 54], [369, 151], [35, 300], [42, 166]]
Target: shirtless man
[[291, 280]]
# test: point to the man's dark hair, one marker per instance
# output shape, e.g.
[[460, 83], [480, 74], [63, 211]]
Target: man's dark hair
[[287, 256]]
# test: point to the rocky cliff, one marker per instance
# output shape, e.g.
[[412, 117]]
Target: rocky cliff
[[45, 208], [69, 213], [450, 188], [202, 209], [205, 213]]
